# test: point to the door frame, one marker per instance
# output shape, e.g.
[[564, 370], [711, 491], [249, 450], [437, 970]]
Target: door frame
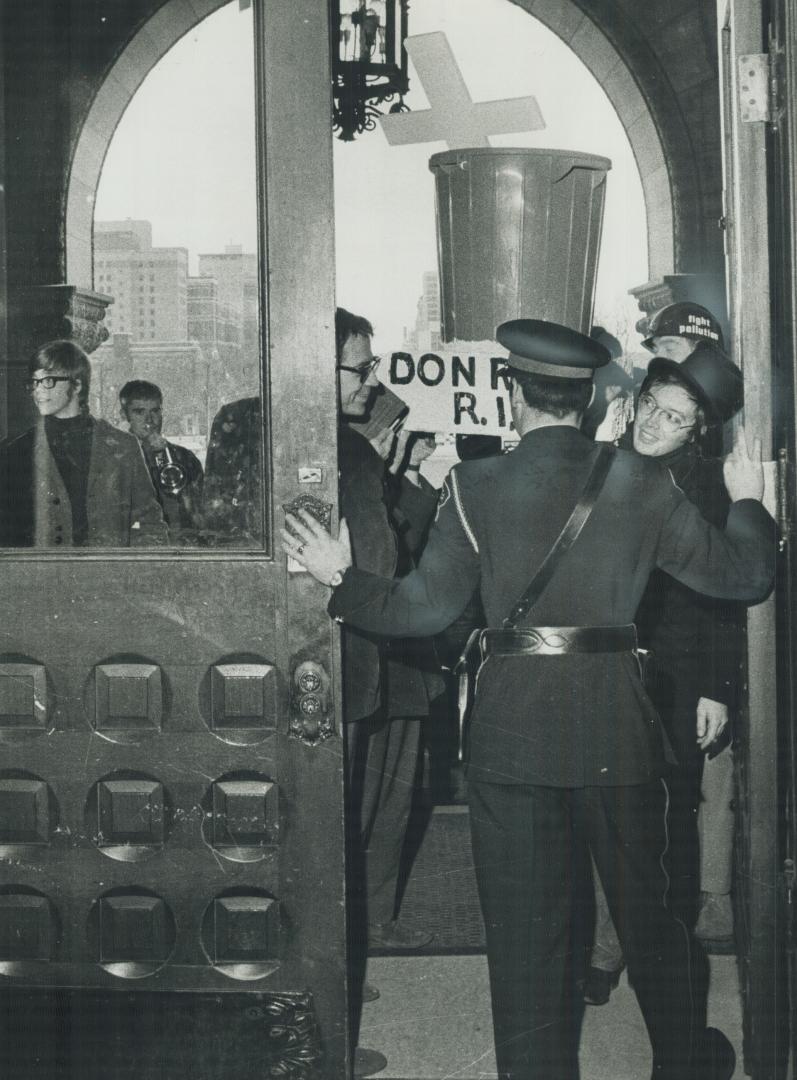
[[760, 793]]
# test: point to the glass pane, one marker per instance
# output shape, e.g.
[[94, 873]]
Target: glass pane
[[158, 439]]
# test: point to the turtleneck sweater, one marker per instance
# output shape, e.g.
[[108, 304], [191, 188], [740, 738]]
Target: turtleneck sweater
[[70, 443]]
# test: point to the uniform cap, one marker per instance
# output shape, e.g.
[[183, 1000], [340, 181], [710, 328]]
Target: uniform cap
[[715, 380], [546, 348], [684, 319]]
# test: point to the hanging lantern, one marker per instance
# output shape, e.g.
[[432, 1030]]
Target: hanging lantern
[[369, 62]]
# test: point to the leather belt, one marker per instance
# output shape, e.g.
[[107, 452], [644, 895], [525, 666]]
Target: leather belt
[[558, 640]]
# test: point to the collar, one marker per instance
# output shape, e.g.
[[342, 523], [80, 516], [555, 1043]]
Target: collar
[[554, 438]]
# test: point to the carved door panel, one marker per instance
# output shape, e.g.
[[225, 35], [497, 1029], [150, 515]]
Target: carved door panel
[[171, 901]]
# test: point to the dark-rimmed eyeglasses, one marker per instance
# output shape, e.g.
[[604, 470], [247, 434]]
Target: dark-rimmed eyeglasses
[[47, 381], [672, 422], [363, 370]]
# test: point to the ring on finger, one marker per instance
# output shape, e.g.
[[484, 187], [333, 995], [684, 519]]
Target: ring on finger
[[300, 549]]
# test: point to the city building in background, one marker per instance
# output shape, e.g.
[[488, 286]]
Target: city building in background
[[148, 284], [197, 338], [426, 335]]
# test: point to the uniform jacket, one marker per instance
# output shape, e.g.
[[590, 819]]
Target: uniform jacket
[[121, 505], [386, 523], [578, 719]]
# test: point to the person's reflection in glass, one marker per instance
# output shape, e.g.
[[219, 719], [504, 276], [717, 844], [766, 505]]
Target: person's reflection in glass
[[176, 473], [233, 500], [73, 480]]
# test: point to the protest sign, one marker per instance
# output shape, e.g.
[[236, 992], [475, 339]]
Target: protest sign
[[460, 388]]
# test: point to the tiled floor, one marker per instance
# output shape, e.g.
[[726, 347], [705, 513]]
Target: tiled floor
[[432, 1021]]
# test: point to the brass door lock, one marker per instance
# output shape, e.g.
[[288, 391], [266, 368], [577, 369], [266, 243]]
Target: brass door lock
[[310, 721]]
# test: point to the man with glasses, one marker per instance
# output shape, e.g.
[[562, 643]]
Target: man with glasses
[[73, 480], [387, 685]]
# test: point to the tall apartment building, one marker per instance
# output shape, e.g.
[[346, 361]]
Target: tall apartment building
[[236, 275], [196, 337], [148, 284], [217, 326], [426, 335], [211, 320]]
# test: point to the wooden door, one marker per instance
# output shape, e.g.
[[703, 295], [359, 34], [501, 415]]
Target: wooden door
[[757, 223], [172, 899]]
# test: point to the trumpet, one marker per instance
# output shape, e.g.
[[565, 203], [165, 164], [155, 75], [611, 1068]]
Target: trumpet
[[172, 477]]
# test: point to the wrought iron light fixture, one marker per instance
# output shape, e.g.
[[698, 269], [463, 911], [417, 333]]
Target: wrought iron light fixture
[[369, 62]]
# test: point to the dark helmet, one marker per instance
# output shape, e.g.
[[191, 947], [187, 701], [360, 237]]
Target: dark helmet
[[684, 319]]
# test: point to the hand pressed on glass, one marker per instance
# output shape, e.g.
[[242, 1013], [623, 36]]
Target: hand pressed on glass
[[308, 542]]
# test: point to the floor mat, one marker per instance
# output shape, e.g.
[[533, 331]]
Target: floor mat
[[440, 887]]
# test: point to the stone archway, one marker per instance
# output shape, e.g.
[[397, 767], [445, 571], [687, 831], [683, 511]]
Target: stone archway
[[596, 51], [176, 17], [152, 41]]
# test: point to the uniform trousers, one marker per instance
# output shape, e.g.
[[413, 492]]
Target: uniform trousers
[[678, 712], [531, 848]]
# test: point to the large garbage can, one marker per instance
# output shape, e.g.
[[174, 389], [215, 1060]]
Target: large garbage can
[[518, 233]]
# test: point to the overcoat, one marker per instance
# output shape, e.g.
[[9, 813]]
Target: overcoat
[[121, 505], [387, 522]]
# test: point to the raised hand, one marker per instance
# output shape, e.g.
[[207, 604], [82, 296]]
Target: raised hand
[[422, 446], [308, 542], [743, 471], [155, 441]]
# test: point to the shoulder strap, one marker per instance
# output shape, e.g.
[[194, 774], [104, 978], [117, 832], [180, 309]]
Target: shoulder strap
[[567, 537]]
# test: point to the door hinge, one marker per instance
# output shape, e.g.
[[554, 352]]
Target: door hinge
[[753, 87], [784, 498]]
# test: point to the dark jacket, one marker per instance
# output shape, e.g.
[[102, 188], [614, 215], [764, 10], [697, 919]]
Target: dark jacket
[[578, 719], [696, 640], [233, 490], [387, 522], [121, 505], [183, 512]]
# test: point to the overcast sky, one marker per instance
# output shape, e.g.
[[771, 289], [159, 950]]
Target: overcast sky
[[183, 156]]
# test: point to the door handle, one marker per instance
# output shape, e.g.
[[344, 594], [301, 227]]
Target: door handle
[[310, 717]]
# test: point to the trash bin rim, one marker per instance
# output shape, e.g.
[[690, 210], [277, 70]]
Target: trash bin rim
[[579, 158]]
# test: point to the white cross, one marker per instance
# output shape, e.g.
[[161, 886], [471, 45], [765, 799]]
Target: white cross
[[453, 117]]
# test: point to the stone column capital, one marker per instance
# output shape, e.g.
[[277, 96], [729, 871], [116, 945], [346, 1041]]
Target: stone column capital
[[41, 313], [705, 289]]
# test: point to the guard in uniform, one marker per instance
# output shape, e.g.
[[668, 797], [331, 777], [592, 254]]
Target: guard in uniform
[[565, 748]]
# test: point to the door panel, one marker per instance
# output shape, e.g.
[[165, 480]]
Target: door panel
[[171, 768]]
